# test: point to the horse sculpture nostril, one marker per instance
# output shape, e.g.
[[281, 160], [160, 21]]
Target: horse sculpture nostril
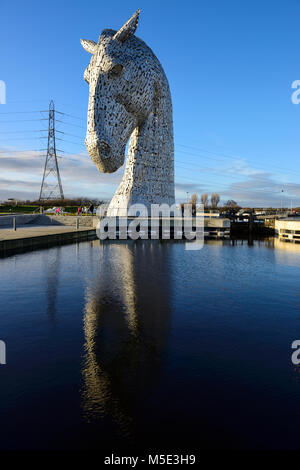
[[104, 149]]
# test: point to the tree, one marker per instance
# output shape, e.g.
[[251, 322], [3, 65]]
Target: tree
[[194, 199], [193, 202], [204, 199], [215, 199], [230, 203]]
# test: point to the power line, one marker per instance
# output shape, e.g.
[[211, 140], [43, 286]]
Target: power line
[[187, 169], [72, 135], [224, 173], [181, 145], [19, 138], [194, 166], [234, 188], [18, 151], [23, 120], [229, 157], [70, 124], [71, 115], [70, 142], [25, 132], [223, 155], [23, 112]]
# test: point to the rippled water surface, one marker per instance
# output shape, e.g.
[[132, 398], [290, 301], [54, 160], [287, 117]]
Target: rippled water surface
[[148, 345]]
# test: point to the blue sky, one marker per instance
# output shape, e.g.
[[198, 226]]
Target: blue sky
[[230, 66]]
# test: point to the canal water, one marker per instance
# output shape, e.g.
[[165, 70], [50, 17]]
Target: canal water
[[127, 345]]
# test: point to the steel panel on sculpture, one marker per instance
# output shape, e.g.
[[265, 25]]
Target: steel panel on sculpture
[[129, 98]]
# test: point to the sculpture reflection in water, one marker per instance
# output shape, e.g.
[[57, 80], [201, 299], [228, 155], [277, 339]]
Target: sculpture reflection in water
[[126, 324]]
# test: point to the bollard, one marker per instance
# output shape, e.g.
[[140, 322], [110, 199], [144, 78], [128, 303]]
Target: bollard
[[14, 223], [77, 223]]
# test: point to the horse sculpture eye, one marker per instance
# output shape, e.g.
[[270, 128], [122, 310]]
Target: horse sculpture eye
[[116, 70]]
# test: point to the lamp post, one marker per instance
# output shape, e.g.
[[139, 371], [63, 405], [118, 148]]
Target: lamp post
[[282, 200]]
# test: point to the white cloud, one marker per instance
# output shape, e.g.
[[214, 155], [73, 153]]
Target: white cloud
[[251, 188], [21, 175]]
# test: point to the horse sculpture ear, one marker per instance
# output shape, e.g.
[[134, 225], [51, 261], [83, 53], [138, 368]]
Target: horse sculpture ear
[[129, 28], [89, 46]]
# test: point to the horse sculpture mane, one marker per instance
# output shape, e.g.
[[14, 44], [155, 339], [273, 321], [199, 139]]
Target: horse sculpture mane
[[129, 98]]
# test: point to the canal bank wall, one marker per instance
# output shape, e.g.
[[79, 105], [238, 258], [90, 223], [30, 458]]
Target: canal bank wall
[[35, 238]]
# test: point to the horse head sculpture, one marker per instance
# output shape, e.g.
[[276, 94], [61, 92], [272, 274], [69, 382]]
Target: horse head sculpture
[[129, 98]]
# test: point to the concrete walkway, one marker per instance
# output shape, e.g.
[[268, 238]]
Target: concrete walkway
[[28, 231]]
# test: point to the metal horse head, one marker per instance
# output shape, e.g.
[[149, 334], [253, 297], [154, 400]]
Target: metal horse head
[[120, 96], [129, 96]]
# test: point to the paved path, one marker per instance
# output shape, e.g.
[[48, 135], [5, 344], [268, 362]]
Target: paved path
[[37, 231]]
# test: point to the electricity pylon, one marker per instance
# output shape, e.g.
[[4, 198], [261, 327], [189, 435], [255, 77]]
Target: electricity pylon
[[51, 187]]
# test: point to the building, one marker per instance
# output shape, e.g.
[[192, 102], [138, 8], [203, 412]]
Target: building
[[288, 230]]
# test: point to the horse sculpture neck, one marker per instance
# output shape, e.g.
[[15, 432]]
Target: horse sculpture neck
[[149, 170]]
